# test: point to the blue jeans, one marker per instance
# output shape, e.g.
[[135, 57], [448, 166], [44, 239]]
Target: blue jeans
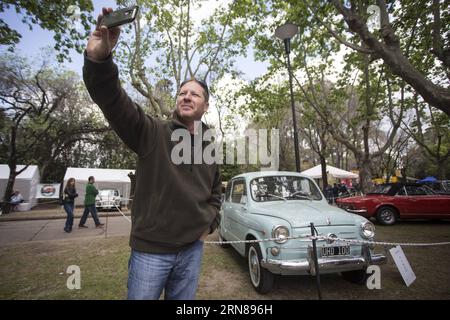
[[68, 207], [93, 210], [176, 273]]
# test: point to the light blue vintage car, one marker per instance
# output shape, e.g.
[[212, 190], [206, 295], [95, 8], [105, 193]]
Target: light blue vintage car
[[264, 205]]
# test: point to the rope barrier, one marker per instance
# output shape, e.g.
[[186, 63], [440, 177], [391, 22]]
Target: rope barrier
[[123, 214], [350, 241], [308, 238], [380, 243]]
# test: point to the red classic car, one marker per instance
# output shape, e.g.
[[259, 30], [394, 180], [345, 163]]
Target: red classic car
[[390, 202]]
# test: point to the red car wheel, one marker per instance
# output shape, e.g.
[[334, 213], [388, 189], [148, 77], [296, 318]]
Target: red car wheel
[[386, 216]]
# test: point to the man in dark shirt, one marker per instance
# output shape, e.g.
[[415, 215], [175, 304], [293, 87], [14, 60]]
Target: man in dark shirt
[[175, 205]]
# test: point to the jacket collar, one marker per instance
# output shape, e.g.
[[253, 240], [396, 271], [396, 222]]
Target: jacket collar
[[175, 122]]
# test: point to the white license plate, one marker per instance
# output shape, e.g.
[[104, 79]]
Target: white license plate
[[335, 251]]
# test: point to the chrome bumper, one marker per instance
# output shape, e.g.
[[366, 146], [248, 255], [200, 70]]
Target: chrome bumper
[[326, 265], [358, 211]]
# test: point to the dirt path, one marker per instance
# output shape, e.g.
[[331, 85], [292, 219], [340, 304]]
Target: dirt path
[[12, 232]]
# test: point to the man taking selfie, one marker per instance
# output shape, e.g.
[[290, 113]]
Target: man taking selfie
[[175, 206]]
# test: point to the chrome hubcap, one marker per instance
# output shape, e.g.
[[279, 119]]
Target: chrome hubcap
[[253, 266], [387, 215]]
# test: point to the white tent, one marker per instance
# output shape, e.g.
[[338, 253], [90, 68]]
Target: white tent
[[316, 173], [104, 179], [26, 182]]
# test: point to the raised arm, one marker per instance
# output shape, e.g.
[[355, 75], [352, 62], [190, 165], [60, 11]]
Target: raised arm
[[101, 76]]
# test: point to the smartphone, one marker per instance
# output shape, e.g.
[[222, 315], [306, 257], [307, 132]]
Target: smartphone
[[120, 17]]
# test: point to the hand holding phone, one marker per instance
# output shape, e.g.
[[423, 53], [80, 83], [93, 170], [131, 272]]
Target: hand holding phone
[[120, 17], [103, 39]]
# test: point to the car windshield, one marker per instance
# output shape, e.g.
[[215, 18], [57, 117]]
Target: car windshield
[[283, 188], [106, 193], [381, 189]]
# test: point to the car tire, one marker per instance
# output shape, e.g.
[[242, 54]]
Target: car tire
[[355, 276], [261, 279], [386, 216], [221, 239]]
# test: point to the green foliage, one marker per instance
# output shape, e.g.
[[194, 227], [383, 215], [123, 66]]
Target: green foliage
[[112, 153], [181, 46], [55, 16], [48, 118]]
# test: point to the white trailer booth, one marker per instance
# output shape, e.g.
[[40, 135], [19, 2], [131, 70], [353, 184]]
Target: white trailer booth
[[104, 179], [26, 182]]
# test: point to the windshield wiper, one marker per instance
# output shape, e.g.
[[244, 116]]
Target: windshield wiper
[[260, 195], [301, 194]]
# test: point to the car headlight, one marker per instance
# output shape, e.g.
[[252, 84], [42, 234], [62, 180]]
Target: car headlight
[[367, 230], [280, 232]]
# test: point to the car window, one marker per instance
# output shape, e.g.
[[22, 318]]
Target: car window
[[279, 188], [382, 189], [401, 192], [428, 190], [415, 191], [106, 193], [228, 192], [446, 185], [238, 193]]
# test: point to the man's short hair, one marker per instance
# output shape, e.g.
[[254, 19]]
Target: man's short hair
[[201, 83], [91, 178]]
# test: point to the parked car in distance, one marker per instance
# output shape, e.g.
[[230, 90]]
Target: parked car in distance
[[108, 199], [271, 204], [393, 201]]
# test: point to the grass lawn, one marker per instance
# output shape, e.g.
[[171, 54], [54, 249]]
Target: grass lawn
[[37, 270]]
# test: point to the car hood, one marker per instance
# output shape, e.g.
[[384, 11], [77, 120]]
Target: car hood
[[362, 198], [301, 213]]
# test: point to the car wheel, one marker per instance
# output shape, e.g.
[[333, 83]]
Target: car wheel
[[386, 216], [222, 239], [262, 280], [356, 276]]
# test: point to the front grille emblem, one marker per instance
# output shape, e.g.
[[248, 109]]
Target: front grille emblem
[[331, 237]]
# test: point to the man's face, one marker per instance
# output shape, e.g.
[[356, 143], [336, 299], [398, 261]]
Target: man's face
[[191, 103]]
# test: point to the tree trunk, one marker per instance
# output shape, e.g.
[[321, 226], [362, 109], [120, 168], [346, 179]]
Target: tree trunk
[[323, 164], [441, 170], [9, 189], [392, 56], [364, 174]]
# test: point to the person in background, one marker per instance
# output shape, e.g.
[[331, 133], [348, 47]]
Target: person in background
[[89, 205], [15, 199], [335, 192], [69, 195]]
